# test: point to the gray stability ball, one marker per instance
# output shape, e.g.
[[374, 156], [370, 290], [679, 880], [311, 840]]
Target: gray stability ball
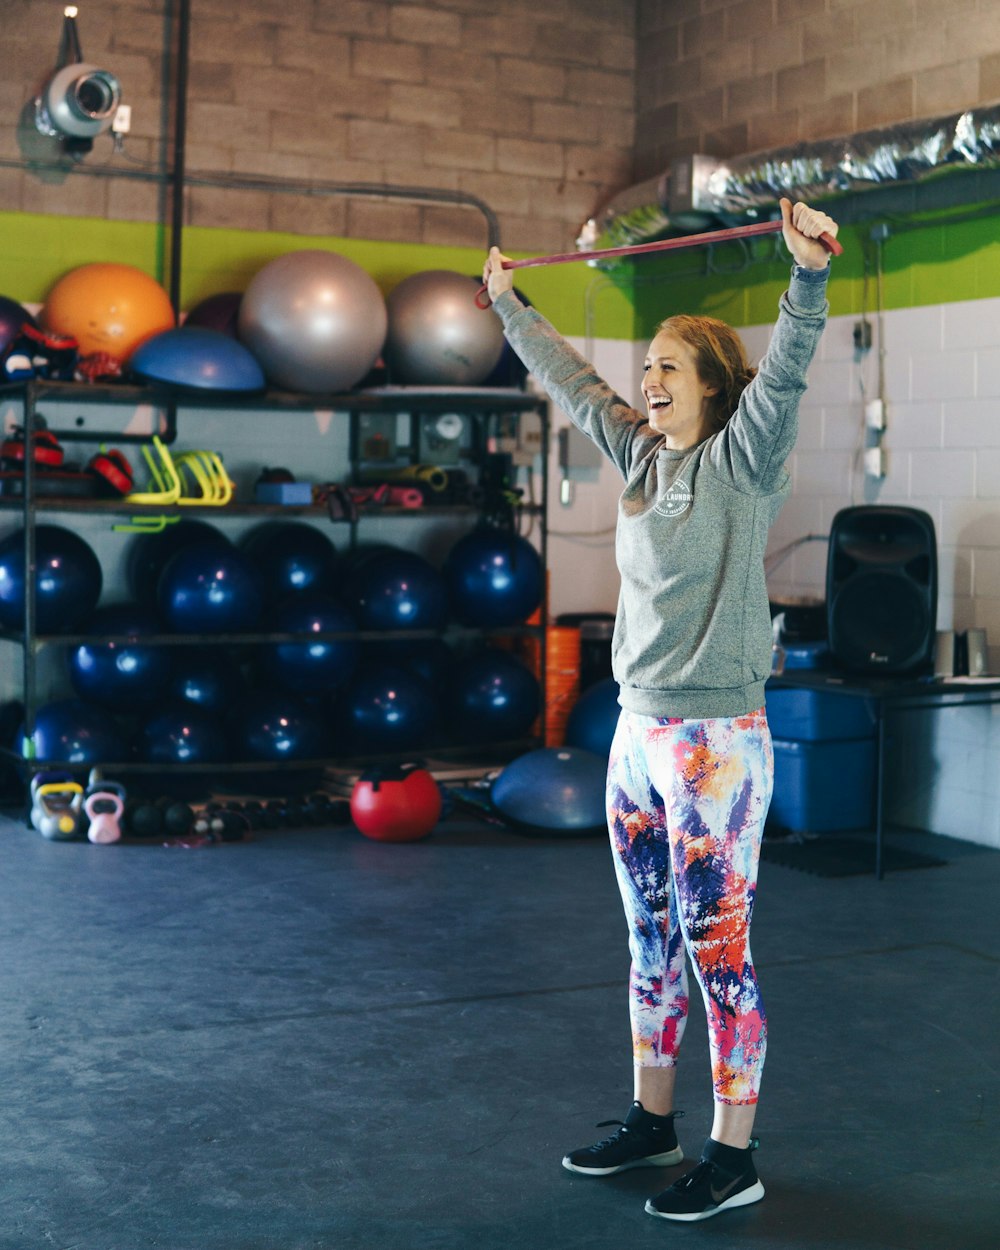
[[437, 335], [315, 321]]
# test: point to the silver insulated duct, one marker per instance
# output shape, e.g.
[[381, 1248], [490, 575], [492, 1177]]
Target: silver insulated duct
[[699, 191]]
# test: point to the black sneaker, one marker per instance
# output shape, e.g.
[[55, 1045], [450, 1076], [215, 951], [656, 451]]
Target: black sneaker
[[724, 1178], [644, 1140]]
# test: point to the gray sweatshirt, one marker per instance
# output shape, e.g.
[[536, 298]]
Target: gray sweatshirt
[[693, 627]]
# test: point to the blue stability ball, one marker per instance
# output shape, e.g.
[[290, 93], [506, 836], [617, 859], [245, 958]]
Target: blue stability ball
[[494, 578], [73, 732], [554, 789], [207, 678], [149, 554], [184, 735], [312, 667], [207, 589], [386, 708], [278, 727], [397, 590], [430, 658], [492, 696], [199, 359], [67, 580], [123, 676], [291, 557], [593, 718]]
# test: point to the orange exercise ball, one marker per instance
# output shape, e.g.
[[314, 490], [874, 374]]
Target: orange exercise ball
[[108, 307]]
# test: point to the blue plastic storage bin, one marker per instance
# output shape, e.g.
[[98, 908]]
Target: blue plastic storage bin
[[823, 786], [805, 715]]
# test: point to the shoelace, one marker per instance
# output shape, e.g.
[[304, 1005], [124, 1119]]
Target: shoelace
[[697, 1174], [621, 1130], [611, 1137]]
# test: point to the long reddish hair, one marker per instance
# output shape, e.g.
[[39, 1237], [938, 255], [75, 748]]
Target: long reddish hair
[[720, 358]]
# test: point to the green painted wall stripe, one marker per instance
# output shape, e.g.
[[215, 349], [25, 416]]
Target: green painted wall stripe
[[925, 262], [39, 249]]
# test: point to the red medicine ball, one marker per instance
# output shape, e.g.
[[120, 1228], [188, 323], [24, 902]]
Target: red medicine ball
[[396, 803]]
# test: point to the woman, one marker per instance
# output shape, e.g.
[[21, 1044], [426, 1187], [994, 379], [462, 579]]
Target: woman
[[691, 769]]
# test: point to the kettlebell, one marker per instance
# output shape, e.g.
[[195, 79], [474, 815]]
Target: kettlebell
[[103, 805], [56, 803]]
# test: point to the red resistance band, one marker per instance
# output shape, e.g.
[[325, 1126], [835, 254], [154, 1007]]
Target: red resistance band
[[661, 245]]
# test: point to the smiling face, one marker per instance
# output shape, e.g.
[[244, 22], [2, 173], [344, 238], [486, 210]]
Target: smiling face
[[677, 400]]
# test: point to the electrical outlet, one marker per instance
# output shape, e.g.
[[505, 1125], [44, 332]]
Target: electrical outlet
[[875, 462], [122, 123]]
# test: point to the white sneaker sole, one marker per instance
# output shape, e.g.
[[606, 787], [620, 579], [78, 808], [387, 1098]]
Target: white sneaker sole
[[743, 1199], [666, 1160]]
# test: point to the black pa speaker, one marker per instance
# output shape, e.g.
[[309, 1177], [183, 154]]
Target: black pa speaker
[[881, 588]]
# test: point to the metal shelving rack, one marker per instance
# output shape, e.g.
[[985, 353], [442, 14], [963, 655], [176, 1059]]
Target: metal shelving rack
[[481, 402]]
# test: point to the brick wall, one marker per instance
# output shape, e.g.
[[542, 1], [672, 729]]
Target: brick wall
[[730, 77], [527, 106]]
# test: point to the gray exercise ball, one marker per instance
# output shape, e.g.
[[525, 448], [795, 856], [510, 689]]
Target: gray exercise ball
[[437, 335], [315, 321]]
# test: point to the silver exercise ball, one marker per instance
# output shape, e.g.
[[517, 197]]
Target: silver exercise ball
[[437, 335], [315, 321]]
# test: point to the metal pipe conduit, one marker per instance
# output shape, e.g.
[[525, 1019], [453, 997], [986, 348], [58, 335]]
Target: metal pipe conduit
[[264, 182]]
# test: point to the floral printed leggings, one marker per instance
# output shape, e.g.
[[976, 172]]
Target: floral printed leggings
[[686, 806]]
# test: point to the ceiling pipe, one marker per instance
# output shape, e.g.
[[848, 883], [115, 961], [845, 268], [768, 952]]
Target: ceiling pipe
[[697, 192]]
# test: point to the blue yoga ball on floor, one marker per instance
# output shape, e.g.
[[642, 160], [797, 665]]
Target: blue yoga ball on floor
[[553, 790], [68, 580], [71, 731], [493, 696], [494, 578], [208, 589], [593, 719], [124, 676]]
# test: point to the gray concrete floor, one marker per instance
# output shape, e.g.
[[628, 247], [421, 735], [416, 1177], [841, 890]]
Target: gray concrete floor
[[311, 1040]]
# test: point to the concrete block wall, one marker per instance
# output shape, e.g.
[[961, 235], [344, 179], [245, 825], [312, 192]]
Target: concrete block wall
[[731, 77], [528, 107]]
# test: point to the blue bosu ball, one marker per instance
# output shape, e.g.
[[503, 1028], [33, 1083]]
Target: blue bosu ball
[[68, 580], [124, 676], [593, 718], [494, 578], [208, 589], [197, 358], [553, 790]]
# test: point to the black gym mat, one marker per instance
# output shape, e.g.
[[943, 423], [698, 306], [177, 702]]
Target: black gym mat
[[841, 857]]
